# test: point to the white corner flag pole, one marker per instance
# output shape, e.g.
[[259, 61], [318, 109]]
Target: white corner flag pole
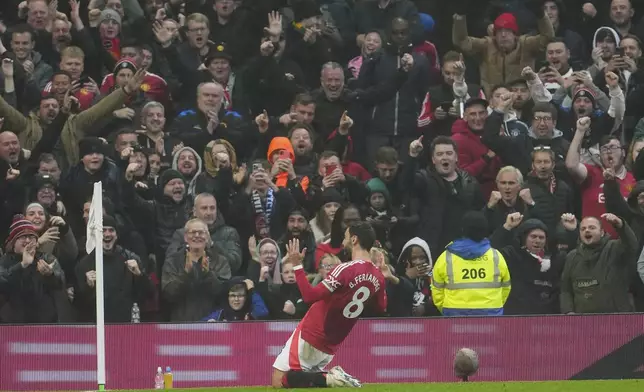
[[95, 242]]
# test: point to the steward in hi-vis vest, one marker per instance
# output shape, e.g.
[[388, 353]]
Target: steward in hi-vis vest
[[471, 278]]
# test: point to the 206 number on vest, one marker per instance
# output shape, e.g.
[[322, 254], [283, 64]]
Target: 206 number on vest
[[356, 306], [473, 273]]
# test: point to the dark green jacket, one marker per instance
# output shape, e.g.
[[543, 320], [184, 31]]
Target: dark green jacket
[[596, 280]]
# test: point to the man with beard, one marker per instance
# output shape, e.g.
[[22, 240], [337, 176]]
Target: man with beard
[[473, 156], [23, 43], [224, 238], [591, 177], [187, 162], [161, 217], [558, 69], [442, 194], [210, 120], [126, 281], [336, 304], [298, 227], [596, 275], [512, 124]]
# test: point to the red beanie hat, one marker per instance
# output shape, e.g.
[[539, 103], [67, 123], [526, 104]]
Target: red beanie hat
[[506, 21], [20, 227]]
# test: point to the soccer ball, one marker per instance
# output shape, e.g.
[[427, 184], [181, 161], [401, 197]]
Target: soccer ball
[[466, 363]]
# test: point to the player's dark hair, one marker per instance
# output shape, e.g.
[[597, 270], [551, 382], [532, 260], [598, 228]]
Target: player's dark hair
[[365, 233], [337, 229]]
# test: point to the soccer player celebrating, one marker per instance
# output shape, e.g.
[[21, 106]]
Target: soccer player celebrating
[[337, 303]]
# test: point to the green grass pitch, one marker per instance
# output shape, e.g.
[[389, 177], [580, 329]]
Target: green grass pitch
[[549, 386]]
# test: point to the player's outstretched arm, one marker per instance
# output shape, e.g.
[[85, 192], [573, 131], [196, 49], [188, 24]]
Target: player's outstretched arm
[[310, 294]]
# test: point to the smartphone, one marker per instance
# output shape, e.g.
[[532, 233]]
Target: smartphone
[[83, 80], [446, 106], [285, 155], [330, 169], [257, 167], [619, 52]]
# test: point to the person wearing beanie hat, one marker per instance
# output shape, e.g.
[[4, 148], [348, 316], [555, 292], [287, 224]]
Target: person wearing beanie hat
[[321, 224], [504, 52], [31, 278], [471, 278], [506, 21], [109, 14], [297, 226], [379, 213], [20, 227]]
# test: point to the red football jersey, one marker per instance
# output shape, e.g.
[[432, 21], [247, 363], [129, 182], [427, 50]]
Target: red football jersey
[[85, 97], [593, 202], [154, 87], [354, 286]]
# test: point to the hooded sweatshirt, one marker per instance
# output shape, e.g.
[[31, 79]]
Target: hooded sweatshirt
[[422, 292], [191, 181], [283, 143]]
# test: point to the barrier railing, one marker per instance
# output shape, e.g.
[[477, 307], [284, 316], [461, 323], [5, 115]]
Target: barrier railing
[[63, 357]]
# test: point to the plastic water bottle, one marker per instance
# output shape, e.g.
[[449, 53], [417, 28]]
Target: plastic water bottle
[[167, 378], [136, 313], [158, 379]]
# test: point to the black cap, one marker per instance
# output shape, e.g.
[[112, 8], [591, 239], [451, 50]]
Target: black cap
[[475, 101], [219, 51]]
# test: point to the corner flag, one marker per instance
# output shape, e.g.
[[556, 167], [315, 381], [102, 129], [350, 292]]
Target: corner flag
[[95, 242], [95, 221]]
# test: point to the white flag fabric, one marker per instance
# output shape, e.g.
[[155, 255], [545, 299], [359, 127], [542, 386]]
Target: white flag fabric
[[95, 221]]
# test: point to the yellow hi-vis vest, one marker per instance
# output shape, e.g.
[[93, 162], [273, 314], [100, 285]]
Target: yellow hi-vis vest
[[481, 283]]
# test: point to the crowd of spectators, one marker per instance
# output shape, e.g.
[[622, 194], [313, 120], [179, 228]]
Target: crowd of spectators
[[222, 129]]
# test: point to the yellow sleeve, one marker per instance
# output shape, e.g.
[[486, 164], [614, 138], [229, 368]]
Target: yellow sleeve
[[439, 279], [505, 278]]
